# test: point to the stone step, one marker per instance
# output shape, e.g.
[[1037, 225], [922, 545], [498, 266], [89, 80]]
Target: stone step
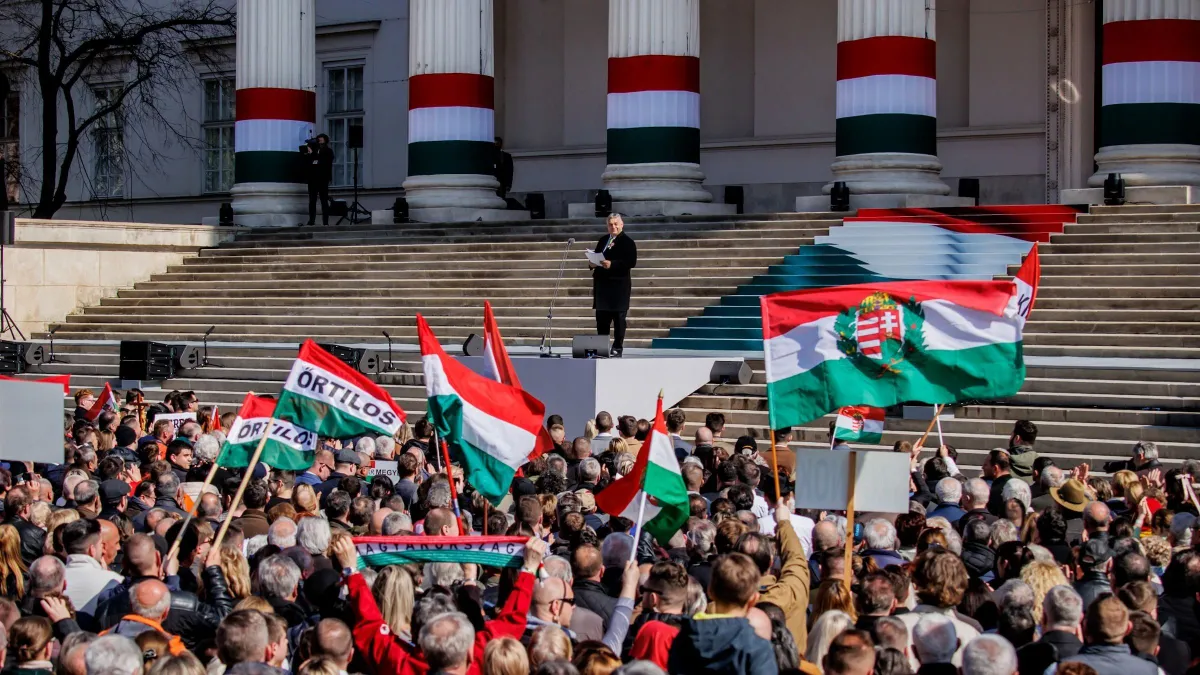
[[434, 282], [512, 336], [1137, 210], [1103, 224], [308, 321], [544, 274], [1058, 289], [1069, 245], [364, 255], [1044, 310], [410, 303], [1092, 417], [475, 296], [1112, 351], [1103, 279], [1114, 270], [781, 234], [503, 313], [1150, 391], [1190, 341], [1130, 237], [756, 263], [1053, 257], [1038, 331], [1044, 303]]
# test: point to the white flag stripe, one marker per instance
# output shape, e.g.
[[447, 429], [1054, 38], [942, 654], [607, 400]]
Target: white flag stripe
[[242, 432], [1151, 82], [343, 393], [456, 123], [869, 343], [887, 94], [270, 135], [631, 511], [638, 109], [505, 442], [491, 369]]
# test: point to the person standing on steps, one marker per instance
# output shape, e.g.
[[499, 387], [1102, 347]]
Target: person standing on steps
[[612, 284], [318, 167]]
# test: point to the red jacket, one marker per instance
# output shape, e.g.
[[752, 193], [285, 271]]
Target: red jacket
[[386, 655]]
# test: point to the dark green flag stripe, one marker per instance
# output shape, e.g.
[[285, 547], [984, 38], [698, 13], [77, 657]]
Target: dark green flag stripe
[[1136, 123], [887, 133], [645, 145], [268, 166], [431, 158]]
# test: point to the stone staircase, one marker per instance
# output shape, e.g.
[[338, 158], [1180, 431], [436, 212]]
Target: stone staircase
[[1113, 342]]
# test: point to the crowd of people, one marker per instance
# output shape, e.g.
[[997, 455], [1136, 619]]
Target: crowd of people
[[1030, 569]]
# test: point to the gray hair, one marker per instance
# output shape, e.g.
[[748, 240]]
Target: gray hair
[[46, 575], [443, 574], [558, 567], [86, 455], [396, 523], [827, 627], [255, 543], [313, 534], [439, 496], [639, 668], [935, 639], [167, 485], [1003, 531], [557, 463], [282, 533], [113, 655], [1041, 553], [880, 534], [71, 644], [1052, 476], [1018, 490], [446, 641], [207, 448], [385, 447], [1181, 529], [1147, 449], [1014, 593], [703, 536], [279, 576], [615, 549], [989, 655], [589, 470], [87, 491], [949, 490], [1062, 608], [219, 436], [978, 491], [154, 611], [365, 444]]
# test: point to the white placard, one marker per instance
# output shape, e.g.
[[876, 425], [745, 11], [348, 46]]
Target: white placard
[[881, 483], [176, 419], [31, 422], [385, 467]]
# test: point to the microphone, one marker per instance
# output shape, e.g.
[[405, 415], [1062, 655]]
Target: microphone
[[571, 241], [385, 334], [209, 331]]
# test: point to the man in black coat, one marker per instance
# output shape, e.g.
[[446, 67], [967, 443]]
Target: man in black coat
[[502, 167], [587, 568], [1062, 611], [318, 160], [33, 538], [612, 284]]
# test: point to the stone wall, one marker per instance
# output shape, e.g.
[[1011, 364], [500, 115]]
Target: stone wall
[[57, 266]]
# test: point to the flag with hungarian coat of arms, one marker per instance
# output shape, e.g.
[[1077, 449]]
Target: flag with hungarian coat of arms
[[859, 424], [887, 343]]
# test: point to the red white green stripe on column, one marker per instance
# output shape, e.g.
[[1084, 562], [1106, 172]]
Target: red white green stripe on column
[[272, 123], [451, 124], [653, 109], [887, 95], [1151, 82]]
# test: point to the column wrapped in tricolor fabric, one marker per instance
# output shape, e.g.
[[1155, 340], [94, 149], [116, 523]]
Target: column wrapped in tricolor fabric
[[1150, 113], [451, 111], [887, 97], [276, 109], [654, 101]]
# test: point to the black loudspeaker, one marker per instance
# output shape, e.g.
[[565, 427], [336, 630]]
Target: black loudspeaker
[[338, 208], [730, 372], [366, 361], [225, 214], [1114, 190], [8, 224], [535, 203], [589, 347], [36, 354], [839, 197], [370, 363], [187, 358], [354, 136], [473, 346], [400, 210], [969, 188], [736, 194], [147, 360], [603, 204], [12, 357]]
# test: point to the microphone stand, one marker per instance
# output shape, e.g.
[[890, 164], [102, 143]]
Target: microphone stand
[[547, 347], [390, 367], [204, 362]]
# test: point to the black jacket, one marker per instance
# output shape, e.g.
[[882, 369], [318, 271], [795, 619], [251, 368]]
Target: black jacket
[[591, 595], [1114, 660], [33, 539], [1174, 656], [975, 514], [612, 287], [1177, 614], [996, 498], [1035, 657], [167, 504], [191, 619], [1093, 584], [978, 558], [318, 165], [289, 611], [724, 645]]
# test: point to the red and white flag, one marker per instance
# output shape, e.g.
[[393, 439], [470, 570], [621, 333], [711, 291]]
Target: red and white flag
[[1026, 282], [496, 363], [63, 380], [106, 401]]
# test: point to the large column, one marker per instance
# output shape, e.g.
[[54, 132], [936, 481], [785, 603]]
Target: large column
[[1150, 114], [276, 109], [887, 98], [451, 123], [654, 108]]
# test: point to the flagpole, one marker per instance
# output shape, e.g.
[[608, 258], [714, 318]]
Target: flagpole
[[938, 418], [212, 473], [445, 451], [637, 528], [937, 413], [849, 573], [237, 497], [775, 470]]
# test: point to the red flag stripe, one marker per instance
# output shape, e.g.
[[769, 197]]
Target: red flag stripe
[[653, 73], [445, 90], [1152, 40], [268, 103], [1031, 273], [887, 55], [616, 497], [504, 365], [102, 401]]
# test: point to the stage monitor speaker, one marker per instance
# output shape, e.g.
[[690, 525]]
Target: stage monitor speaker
[[354, 136], [141, 360], [473, 345], [730, 372], [8, 225], [969, 188], [839, 197], [12, 357], [338, 208], [589, 347], [604, 203], [187, 358], [36, 354], [370, 363], [736, 194], [535, 203], [400, 211]]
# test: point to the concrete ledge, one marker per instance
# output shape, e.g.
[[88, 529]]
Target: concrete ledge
[[1156, 195], [884, 201], [89, 233], [656, 208], [454, 214]]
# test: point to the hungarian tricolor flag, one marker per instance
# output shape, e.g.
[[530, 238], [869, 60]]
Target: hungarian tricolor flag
[[656, 479], [495, 426], [859, 424], [887, 343], [496, 363], [106, 401], [331, 399], [62, 380], [288, 446]]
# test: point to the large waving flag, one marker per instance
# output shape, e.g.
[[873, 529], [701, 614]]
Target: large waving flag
[[106, 401], [886, 343], [328, 397], [495, 357], [288, 446], [656, 479], [494, 426]]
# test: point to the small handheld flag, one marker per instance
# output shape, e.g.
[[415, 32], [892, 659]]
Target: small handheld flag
[[106, 401], [859, 424]]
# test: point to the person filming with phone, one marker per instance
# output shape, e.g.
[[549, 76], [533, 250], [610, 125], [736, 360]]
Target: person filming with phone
[[318, 168]]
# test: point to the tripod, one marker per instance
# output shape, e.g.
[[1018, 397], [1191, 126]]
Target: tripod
[[7, 234], [357, 213]]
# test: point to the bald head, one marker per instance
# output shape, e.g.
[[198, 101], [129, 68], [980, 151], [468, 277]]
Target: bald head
[[1096, 517], [210, 506], [582, 448], [150, 600], [164, 526], [704, 436], [586, 563], [825, 536], [110, 541], [325, 457], [332, 639], [141, 556], [548, 591], [377, 519], [441, 522], [760, 622]]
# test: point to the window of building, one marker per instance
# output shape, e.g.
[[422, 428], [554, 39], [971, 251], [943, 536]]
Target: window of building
[[344, 109], [218, 134], [108, 144], [10, 144]]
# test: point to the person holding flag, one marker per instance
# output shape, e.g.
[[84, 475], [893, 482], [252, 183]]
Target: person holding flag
[[106, 401]]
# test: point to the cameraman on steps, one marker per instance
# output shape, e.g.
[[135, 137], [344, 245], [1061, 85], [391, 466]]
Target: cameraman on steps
[[318, 167]]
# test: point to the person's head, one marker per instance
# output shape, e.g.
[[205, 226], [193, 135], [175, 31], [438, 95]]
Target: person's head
[[553, 601], [322, 139], [1017, 625], [184, 664], [29, 639], [880, 535], [949, 491], [1144, 452], [876, 596], [1144, 633], [757, 547], [715, 422], [1024, 433], [975, 494], [940, 577], [616, 224], [825, 628], [935, 639], [615, 549], [331, 638], [180, 453], [150, 599], [243, 636], [851, 653], [443, 522], [71, 653], [314, 535], [586, 563], [505, 656], [395, 593], [447, 642], [989, 655], [665, 588], [735, 582], [548, 643], [279, 577], [47, 575], [113, 655], [82, 537], [1130, 567], [1062, 609], [1096, 517], [997, 464], [1107, 621]]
